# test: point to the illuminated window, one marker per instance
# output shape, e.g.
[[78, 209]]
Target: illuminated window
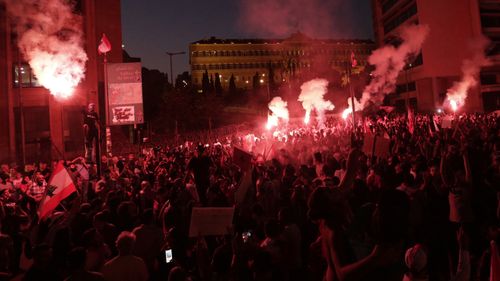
[[24, 74]]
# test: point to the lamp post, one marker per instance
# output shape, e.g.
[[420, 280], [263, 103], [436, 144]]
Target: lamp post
[[171, 54], [407, 95], [21, 107]]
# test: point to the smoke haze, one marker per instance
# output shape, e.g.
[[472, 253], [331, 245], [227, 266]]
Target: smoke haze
[[457, 94], [389, 61], [50, 38], [312, 98]]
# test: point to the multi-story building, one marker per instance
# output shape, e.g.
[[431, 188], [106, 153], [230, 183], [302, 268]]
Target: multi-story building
[[243, 58], [453, 25], [52, 128]]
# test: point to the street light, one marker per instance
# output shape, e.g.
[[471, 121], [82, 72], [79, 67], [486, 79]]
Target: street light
[[407, 94], [170, 54]]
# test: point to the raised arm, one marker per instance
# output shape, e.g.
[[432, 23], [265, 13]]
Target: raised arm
[[442, 167], [465, 156], [352, 167]]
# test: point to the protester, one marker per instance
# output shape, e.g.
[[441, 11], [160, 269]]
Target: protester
[[313, 202], [125, 266]]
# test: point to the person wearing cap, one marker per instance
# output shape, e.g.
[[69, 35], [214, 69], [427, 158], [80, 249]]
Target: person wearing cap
[[91, 129], [416, 261]]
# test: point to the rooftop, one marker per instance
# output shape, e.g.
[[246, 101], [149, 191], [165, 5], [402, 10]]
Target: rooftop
[[297, 37]]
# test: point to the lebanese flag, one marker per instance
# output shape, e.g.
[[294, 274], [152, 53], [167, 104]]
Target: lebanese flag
[[104, 46], [411, 120], [354, 62], [60, 186]]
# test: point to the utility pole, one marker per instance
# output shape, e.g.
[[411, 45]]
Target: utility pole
[[171, 54], [106, 106], [407, 94], [21, 107]]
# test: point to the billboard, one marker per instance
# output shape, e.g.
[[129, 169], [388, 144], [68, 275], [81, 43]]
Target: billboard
[[124, 94]]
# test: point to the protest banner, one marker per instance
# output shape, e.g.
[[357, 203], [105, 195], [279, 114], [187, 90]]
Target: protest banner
[[242, 159], [376, 145]]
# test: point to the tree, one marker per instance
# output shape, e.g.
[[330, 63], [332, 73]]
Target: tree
[[153, 84], [212, 84], [218, 86], [205, 83], [232, 85], [255, 83], [183, 80], [272, 84]]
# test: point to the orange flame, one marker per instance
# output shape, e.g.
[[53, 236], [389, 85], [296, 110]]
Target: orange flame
[[307, 118], [346, 113], [454, 105]]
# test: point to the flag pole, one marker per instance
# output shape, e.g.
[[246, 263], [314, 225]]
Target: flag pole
[[106, 105], [351, 92]]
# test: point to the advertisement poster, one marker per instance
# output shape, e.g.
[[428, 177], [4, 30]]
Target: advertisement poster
[[124, 94]]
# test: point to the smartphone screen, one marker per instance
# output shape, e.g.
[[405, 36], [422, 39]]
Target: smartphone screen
[[168, 255]]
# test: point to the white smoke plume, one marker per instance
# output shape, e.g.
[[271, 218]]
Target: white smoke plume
[[311, 96], [457, 94], [279, 110], [389, 61], [50, 38]]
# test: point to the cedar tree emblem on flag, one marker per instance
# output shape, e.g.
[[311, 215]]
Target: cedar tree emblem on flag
[[60, 186]]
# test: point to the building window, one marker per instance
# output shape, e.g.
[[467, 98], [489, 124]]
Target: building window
[[401, 18], [78, 7], [24, 74], [388, 5], [488, 79], [490, 21], [419, 60], [403, 88]]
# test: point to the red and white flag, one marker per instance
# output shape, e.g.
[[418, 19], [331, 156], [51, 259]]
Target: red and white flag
[[411, 120], [60, 186], [354, 62], [104, 46]]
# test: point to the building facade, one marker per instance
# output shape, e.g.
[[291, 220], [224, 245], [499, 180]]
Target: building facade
[[288, 57], [33, 124], [453, 25]]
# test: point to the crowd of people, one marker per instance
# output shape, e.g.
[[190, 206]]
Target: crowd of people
[[316, 205]]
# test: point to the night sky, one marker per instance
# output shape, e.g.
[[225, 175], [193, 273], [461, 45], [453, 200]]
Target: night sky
[[152, 27]]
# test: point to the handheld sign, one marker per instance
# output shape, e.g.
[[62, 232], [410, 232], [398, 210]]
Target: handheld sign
[[210, 221]]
